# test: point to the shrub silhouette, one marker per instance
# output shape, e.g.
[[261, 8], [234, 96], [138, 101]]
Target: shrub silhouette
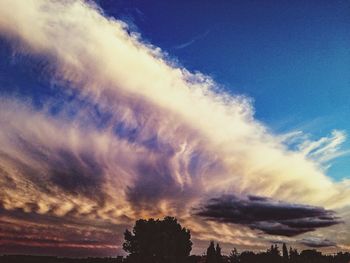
[[158, 241]]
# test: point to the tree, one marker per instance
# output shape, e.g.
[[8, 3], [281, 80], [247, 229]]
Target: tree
[[273, 254], [158, 241], [293, 254], [214, 254], [218, 253], [234, 256], [285, 253], [211, 253]]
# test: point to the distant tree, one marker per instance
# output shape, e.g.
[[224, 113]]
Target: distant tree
[[211, 253], [293, 254], [285, 255], [218, 253], [273, 254], [158, 241], [274, 250], [234, 256]]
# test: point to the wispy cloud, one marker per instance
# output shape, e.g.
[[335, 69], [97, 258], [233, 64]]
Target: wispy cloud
[[321, 150], [317, 242], [170, 142], [192, 40]]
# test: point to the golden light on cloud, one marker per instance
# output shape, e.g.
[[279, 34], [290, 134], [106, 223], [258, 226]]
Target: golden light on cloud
[[171, 140]]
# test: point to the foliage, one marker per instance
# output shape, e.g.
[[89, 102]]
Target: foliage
[[158, 241], [285, 255]]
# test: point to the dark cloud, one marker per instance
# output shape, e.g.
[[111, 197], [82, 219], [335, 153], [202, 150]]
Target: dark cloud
[[317, 242], [68, 250], [77, 174], [51, 235], [268, 215], [155, 185]]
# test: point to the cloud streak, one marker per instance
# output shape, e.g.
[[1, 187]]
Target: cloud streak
[[193, 40], [317, 242]]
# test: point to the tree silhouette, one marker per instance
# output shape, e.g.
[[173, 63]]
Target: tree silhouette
[[234, 256], [211, 253], [285, 253], [273, 254], [158, 241], [218, 253], [293, 254], [214, 254]]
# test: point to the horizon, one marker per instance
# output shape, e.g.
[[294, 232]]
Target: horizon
[[230, 116]]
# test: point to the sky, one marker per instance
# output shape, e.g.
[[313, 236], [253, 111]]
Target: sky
[[229, 115]]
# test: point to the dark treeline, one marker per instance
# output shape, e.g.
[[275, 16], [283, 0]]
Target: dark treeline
[[270, 256], [166, 241]]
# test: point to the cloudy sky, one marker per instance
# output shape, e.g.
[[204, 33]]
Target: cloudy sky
[[230, 115]]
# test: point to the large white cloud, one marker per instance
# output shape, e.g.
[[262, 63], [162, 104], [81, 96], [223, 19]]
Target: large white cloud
[[173, 139]]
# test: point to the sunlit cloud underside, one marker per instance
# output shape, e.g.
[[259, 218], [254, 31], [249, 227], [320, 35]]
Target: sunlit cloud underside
[[144, 137]]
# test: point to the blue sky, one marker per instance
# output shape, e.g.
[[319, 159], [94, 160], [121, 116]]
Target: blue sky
[[99, 128], [291, 57]]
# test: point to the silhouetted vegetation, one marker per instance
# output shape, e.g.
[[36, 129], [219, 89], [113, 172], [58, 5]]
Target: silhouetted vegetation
[[157, 241], [166, 241], [214, 254], [273, 255]]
